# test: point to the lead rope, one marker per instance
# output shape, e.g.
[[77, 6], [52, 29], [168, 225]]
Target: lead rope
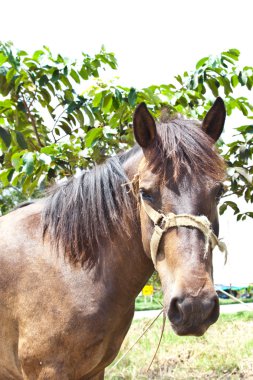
[[158, 346], [144, 332]]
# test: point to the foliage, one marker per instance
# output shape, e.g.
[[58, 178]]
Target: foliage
[[55, 120]]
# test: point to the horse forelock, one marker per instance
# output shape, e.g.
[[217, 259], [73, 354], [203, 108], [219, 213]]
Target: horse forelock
[[85, 213], [182, 146]]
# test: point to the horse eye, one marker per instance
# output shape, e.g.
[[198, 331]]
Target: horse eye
[[220, 192], [145, 195]]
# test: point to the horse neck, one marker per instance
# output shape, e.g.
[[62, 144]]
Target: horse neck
[[129, 266]]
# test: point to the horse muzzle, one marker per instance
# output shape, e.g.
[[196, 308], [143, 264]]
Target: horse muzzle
[[192, 316]]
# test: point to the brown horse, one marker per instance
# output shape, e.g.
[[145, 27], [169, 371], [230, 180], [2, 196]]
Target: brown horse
[[72, 264]]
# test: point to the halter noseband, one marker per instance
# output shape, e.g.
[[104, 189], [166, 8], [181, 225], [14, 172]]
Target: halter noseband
[[163, 222]]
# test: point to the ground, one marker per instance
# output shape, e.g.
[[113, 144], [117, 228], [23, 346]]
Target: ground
[[224, 352]]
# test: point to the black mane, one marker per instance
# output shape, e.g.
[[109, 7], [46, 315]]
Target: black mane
[[84, 210]]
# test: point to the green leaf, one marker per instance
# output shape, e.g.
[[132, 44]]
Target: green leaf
[[72, 106], [68, 96], [6, 176], [245, 128], [65, 81], [5, 136], [222, 208], [65, 127], [90, 115], [182, 100], [3, 59], [234, 80], [226, 58], [6, 104], [225, 82], [56, 75], [242, 107], [51, 88], [96, 63], [65, 71], [132, 96], [213, 84], [249, 83], [21, 140], [107, 103], [118, 95], [97, 99], [84, 73], [194, 81], [27, 183], [45, 95], [28, 160], [17, 179], [10, 74], [70, 119], [37, 54], [80, 117], [234, 53], [17, 160], [43, 80], [75, 76], [234, 206], [242, 78], [22, 53], [92, 136], [179, 79], [201, 62], [245, 174]]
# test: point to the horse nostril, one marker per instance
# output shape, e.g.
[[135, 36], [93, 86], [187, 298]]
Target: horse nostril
[[214, 310], [175, 312]]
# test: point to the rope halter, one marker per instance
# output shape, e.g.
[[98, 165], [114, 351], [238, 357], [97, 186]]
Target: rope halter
[[163, 222]]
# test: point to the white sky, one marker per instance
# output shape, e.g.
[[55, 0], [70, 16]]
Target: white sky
[[153, 41]]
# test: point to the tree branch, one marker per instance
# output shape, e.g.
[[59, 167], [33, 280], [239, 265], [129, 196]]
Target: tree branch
[[33, 121]]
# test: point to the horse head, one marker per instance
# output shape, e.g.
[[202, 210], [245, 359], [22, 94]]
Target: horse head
[[179, 180]]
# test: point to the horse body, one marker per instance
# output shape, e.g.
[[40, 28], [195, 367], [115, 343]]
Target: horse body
[[71, 267], [49, 304]]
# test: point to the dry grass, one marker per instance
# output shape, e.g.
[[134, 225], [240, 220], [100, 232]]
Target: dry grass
[[224, 352]]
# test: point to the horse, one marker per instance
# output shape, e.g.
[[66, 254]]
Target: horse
[[72, 263]]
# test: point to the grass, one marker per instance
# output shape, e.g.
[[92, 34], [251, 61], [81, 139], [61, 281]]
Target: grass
[[224, 352], [149, 303]]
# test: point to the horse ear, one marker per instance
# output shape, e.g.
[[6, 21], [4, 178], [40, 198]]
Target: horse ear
[[214, 120], [144, 126]]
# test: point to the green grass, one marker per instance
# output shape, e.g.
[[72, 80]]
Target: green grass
[[148, 303], [224, 352]]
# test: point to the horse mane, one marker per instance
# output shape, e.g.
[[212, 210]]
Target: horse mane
[[184, 146], [84, 211]]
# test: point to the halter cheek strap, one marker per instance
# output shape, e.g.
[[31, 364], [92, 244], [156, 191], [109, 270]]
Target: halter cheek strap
[[163, 222]]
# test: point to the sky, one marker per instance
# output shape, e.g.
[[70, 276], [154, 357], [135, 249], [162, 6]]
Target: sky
[[152, 41]]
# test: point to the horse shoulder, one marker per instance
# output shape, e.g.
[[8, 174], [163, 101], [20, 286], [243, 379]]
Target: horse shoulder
[[60, 313]]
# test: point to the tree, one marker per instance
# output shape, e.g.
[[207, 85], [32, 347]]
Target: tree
[[51, 125]]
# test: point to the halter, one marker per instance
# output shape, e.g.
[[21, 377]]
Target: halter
[[163, 222]]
